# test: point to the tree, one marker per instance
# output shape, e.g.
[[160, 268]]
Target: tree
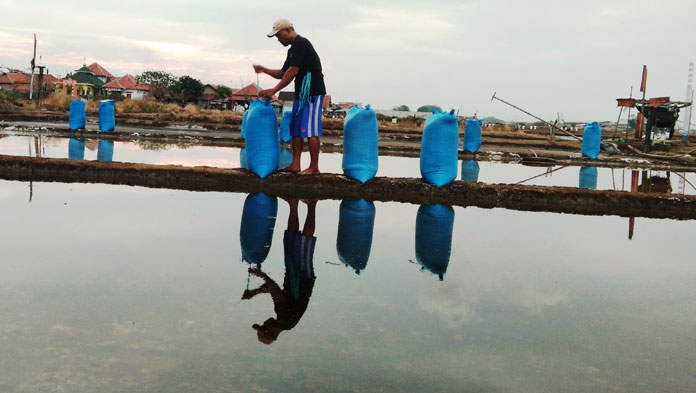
[[188, 88], [160, 82], [428, 108], [224, 91], [403, 108]]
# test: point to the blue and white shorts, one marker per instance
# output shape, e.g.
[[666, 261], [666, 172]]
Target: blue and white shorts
[[306, 122]]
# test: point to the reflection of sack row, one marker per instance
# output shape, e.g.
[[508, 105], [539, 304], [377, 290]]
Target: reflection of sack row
[[434, 225], [76, 150]]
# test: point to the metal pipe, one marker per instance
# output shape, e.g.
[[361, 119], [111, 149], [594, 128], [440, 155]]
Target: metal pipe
[[538, 118]]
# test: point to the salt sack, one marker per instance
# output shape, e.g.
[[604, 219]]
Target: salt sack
[[439, 148], [472, 136], [591, 139], [77, 117], [107, 121], [360, 144], [262, 138]]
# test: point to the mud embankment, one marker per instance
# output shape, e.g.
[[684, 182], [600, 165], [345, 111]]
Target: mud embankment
[[333, 186]]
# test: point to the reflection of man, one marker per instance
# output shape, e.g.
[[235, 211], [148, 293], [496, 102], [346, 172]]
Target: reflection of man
[[291, 301], [304, 67]]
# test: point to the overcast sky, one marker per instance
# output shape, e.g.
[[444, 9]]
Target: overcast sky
[[570, 57]]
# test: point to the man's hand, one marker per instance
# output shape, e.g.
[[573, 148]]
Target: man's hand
[[266, 93], [259, 68]]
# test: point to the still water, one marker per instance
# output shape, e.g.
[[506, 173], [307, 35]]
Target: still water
[[113, 288], [491, 172]]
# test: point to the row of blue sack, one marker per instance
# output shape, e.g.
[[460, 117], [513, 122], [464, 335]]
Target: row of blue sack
[[439, 146], [78, 115], [434, 225]]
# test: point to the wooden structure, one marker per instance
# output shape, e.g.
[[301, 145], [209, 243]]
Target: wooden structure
[[659, 113]]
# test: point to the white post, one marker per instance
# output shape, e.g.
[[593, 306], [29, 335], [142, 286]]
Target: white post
[[689, 98]]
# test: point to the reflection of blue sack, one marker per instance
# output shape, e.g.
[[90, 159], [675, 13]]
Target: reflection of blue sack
[[472, 135], [356, 221], [470, 170], [106, 151], [76, 149], [285, 128], [360, 144], [434, 225], [107, 121], [258, 221], [77, 115], [588, 177], [439, 148], [285, 158], [591, 140], [243, 162], [262, 138], [244, 123]]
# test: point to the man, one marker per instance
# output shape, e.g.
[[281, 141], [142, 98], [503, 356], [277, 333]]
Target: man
[[303, 65]]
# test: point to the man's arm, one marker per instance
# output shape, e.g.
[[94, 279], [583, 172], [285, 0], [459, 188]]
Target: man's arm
[[287, 77], [278, 74]]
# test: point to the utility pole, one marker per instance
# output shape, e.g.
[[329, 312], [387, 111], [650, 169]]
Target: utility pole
[[33, 64]]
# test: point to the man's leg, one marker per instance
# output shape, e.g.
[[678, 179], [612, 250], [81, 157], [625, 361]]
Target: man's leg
[[310, 220], [314, 145], [296, 155]]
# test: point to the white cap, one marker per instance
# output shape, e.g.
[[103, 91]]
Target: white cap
[[279, 25]]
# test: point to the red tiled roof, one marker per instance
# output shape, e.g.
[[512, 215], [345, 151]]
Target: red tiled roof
[[15, 77], [247, 93], [327, 102], [127, 82], [99, 70]]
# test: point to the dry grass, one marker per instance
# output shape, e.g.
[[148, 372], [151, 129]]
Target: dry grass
[[57, 102]]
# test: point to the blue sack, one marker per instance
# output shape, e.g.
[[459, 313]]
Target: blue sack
[[107, 121], [285, 158], [356, 222], [588, 177], [244, 121], [440, 148], [105, 153], [262, 138], [360, 144], [76, 149], [285, 127], [472, 136], [470, 171], [591, 140], [434, 225], [258, 222], [243, 161], [77, 117]]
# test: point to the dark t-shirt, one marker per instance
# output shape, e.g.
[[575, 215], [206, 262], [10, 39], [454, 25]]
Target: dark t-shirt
[[302, 54]]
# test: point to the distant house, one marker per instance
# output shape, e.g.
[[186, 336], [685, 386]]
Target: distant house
[[21, 82], [101, 72], [288, 97], [128, 86], [244, 95], [212, 99], [87, 84]]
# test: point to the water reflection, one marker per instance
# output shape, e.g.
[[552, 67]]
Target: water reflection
[[291, 301], [470, 171], [76, 149], [284, 159], [588, 177], [105, 152], [356, 221], [434, 225], [256, 231]]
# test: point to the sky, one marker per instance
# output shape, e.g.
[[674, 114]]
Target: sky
[[549, 57]]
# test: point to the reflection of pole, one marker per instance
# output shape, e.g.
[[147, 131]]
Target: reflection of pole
[[632, 220], [538, 118]]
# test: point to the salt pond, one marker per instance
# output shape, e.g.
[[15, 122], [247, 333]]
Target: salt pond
[[114, 288]]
